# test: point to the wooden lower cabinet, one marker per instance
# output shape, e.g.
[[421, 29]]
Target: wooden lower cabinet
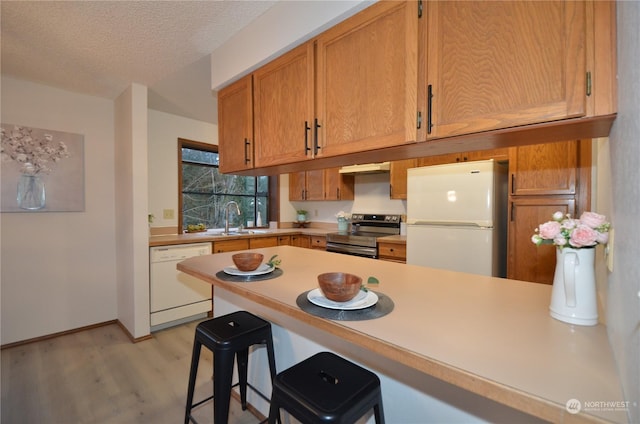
[[255, 243], [300, 241], [318, 242], [284, 240], [526, 261], [230, 245], [395, 252]]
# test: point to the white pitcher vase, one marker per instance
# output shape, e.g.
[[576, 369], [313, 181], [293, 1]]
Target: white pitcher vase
[[573, 296]]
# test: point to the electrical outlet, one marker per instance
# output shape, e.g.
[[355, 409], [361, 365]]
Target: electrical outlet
[[167, 213], [609, 251], [315, 212]]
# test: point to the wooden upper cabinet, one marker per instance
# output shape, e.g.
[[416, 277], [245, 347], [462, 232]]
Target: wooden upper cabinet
[[306, 185], [235, 125], [283, 108], [367, 80], [338, 186], [398, 177], [493, 65], [496, 154], [297, 185], [544, 169], [322, 184]]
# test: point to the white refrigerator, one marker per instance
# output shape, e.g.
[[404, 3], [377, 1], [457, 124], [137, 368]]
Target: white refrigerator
[[457, 217]]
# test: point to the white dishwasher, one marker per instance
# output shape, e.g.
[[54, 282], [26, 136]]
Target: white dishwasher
[[176, 297]]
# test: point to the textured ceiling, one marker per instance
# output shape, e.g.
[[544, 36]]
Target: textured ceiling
[[100, 47]]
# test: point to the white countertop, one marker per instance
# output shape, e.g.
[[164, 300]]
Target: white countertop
[[491, 336]]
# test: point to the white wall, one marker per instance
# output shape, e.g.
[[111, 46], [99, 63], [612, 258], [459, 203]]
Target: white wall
[[131, 199], [58, 268], [164, 131], [623, 311], [295, 21]]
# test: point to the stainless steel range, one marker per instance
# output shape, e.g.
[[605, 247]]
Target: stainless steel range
[[365, 230]]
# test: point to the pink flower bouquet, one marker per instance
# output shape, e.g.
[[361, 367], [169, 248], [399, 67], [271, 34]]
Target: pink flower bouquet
[[563, 231]]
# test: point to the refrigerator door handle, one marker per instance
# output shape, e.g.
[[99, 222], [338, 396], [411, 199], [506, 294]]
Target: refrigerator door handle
[[475, 224]]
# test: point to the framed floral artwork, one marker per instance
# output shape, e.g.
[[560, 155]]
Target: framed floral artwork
[[42, 170]]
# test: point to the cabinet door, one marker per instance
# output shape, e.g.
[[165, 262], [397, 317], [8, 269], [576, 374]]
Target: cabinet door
[[314, 185], [367, 80], [255, 243], [501, 64], [230, 245], [284, 240], [392, 252], [300, 241], [439, 160], [496, 154], [544, 169], [297, 185], [338, 186], [526, 261], [283, 107], [318, 242], [235, 125], [398, 177]]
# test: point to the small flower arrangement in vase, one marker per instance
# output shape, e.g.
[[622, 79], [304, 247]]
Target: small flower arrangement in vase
[[573, 296], [302, 215], [563, 231], [343, 221]]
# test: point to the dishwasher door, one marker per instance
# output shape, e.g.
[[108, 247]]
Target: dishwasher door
[[176, 297]]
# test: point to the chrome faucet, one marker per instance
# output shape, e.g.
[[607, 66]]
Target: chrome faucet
[[226, 214]]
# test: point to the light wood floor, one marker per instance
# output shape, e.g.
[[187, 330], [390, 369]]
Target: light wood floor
[[99, 376]]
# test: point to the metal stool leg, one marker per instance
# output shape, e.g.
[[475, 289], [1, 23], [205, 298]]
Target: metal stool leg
[[195, 358], [242, 356], [222, 376]]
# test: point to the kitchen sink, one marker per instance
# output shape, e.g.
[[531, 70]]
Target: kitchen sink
[[233, 232]]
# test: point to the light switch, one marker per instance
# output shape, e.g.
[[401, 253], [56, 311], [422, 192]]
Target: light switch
[[167, 213]]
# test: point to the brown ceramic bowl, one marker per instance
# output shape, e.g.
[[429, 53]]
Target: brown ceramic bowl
[[247, 261], [339, 286]]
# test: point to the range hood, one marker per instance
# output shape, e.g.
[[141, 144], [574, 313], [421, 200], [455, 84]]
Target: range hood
[[367, 168]]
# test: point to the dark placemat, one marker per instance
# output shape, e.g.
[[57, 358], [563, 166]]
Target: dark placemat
[[383, 306], [249, 278]]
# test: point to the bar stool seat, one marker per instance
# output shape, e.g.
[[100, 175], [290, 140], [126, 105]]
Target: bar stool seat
[[228, 337], [326, 388]]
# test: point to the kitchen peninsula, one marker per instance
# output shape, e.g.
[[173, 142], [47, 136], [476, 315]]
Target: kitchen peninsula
[[456, 347]]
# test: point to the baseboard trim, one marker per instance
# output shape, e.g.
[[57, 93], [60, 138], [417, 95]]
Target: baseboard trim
[[130, 336], [58, 334], [235, 395]]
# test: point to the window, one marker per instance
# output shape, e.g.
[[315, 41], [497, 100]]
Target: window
[[204, 191]]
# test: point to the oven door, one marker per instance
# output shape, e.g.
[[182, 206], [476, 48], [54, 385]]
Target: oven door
[[350, 249]]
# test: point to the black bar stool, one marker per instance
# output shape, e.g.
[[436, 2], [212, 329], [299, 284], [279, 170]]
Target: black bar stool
[[228, 337], [326, 388]]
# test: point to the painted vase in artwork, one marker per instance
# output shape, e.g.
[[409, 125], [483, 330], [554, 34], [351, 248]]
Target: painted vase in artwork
[[31, 194]]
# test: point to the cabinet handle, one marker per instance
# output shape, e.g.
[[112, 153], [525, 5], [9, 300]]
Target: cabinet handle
[[429, 107], [246, 150], [513, 183], [307, 128], [315, 136], [338, 193]]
